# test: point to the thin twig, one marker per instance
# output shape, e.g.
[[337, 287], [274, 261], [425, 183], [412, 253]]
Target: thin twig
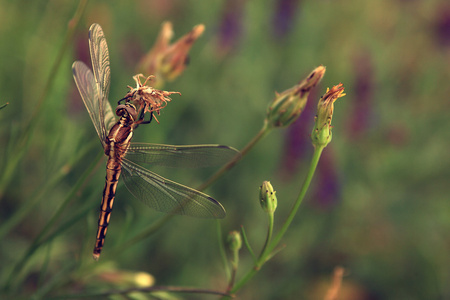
[[262, 133], [171, 289]]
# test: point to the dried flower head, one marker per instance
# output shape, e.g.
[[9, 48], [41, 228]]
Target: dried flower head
[[147, 98], [288, 105], [321, 134], [169, 61]]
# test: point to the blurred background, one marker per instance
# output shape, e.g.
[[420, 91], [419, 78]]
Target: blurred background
[[379, 202]]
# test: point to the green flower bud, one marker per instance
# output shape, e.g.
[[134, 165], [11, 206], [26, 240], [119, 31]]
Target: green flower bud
[[267, 197], [234, 241], [321, 134], [288, 105]]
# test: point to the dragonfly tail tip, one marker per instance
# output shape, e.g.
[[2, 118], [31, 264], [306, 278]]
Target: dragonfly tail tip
[[96, 256]]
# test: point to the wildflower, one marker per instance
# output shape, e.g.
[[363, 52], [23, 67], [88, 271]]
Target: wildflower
[[321, 134], [167, 61], [230, 28], [361, 117], [288, 105], [267, 197], [285, 13], [328, 188]]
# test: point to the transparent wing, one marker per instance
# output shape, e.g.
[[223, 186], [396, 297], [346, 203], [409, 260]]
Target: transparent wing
[[102, 74], [191, 156], [167, 196], [88, 89]]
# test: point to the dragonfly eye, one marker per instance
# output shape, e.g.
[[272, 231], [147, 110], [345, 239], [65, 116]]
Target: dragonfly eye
[[120, 110], [125, 110]]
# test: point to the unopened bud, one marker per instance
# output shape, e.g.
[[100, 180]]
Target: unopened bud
[[267, 197], [288, 105], [321, 134], [234, 241]]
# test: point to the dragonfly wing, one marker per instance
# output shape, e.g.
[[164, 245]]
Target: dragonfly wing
[[191, 156], [102, 74], [167, 196], [85, 82]]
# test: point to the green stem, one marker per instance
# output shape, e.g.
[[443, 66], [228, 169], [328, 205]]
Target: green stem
[[234, 267], [263, 257], [269, 235], [24, 210], [247, 244], [72, 25], [158, 224], [152, 289], [144, 234], [24, 139], [223, 253], [301, 196], [262, 133], [37, 242]]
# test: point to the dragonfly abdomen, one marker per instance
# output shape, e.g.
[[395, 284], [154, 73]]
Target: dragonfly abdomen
[[113, 170]]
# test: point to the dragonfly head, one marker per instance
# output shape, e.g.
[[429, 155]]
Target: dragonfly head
[[127, 111]]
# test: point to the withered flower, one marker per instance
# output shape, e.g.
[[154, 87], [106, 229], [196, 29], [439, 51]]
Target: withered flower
[[145, 97], [167, 61], [288, 105], [321, 134]]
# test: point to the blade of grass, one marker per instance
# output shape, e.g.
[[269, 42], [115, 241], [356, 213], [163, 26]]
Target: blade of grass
[[223, 253], [38, 240], [23, 143], [30, 205]]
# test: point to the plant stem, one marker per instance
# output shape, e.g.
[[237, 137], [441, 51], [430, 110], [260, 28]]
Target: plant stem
[[56, 177], [38, 240], [301, 196], [170, 289], [223, 253], [247, 244], [30, 125], [158, 224], [24, 139], [269, 235], [144, 234], [262, 133], [268, 250]]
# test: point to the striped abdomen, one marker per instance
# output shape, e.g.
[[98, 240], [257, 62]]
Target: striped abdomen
[[113, 170], [117, 142]]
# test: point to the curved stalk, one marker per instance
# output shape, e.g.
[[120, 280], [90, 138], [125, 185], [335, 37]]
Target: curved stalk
[[267, 251], [262, 133]]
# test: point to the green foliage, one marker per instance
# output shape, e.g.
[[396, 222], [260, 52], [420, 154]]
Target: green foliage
[[378, 204]]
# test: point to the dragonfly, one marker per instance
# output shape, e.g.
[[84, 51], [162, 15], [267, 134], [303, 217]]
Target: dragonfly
[[125, 158]]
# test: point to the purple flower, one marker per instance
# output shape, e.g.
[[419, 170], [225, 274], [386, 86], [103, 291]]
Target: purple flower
[[328, 190], [230, 28], [284, 17], [442, 26]]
